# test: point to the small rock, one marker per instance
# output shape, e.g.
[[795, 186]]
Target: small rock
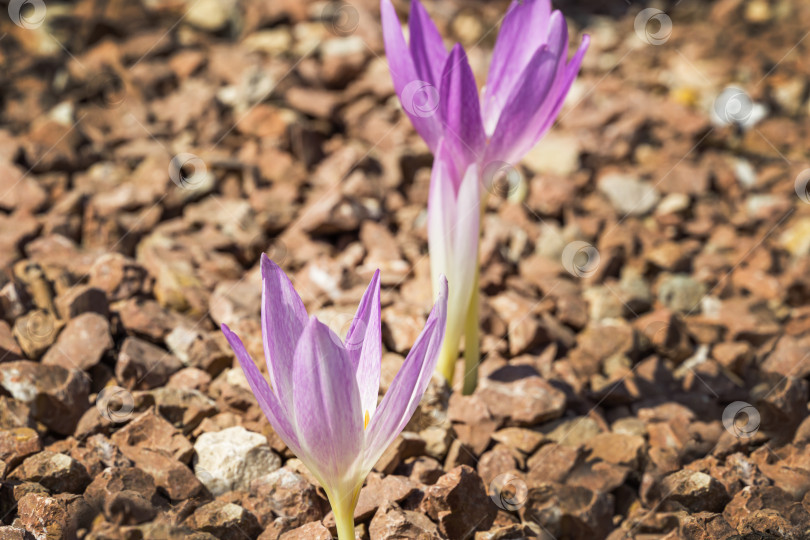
[[119, 277], [567, 511], [51, 518], [525, 440], [56, 472], [150, 430], [35, 332], [14, 414], [523, 402], [224, 520], [116, 479], [391, 521], [459, 503], [230, 459], [184, 408], [82, 343], [82, 299], [146, 318], [57, 397], [552, 463], [9, 349], [696, 491], [310, 531], [617, 448], [681, 293], [125, 495], [558, 155], [627, 194], [17, 444], [290, 496], [142, 365], [171, 476]]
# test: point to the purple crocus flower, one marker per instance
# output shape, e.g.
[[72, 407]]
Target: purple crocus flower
[[528, 79], [322, 396]]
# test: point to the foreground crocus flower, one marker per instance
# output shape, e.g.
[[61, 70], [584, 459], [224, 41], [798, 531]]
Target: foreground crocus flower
[[322, 396], [528, 79]]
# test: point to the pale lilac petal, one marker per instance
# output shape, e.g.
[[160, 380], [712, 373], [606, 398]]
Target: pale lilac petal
[[465, 236], [268, 402], [364, 346], [427, 50], [283, 320], [524, 30], [419, 98], [564, 85], [461, 110], [531, 102], [406, 390], [328, 415]]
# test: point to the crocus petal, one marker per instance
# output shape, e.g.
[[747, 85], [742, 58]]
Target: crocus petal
[[283, 320], [328, 417], [441, 215], [524, 30], [419, 98], [571, 71], [466, 232], [427, 50], [268, 402], [406, 390], [461, 110], [364, 346], [533, 106]]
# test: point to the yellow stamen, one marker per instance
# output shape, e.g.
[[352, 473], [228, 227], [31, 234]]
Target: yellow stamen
[[365, 425]]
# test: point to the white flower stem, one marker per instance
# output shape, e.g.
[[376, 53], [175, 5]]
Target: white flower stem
[[472, 351]]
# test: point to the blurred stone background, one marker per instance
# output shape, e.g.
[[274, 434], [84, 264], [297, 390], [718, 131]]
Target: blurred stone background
[[645, 275]]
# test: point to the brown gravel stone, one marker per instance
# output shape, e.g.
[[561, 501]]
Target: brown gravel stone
[[118, 479], [150, 430], [376, 493], [694, 490], [522, 402], [310, 531], [9, 349], [17, 444], [290, 496], [146, 318], [82, 299], [82, 343], [458, 502], [617, 448], [119, 277], [35, 332], [227, 521], [57, 472], [521, 439], [54, 517], [171, 476], [406, 445], [391, 521], [183, 408], [551, 463], [57, 397], [573, 511], [142, 365]]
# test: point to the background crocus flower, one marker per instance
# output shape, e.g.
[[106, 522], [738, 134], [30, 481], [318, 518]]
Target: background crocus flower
[[322, 396], [528, 79]]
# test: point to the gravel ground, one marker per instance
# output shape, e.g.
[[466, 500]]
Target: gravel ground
[[645, 277]]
